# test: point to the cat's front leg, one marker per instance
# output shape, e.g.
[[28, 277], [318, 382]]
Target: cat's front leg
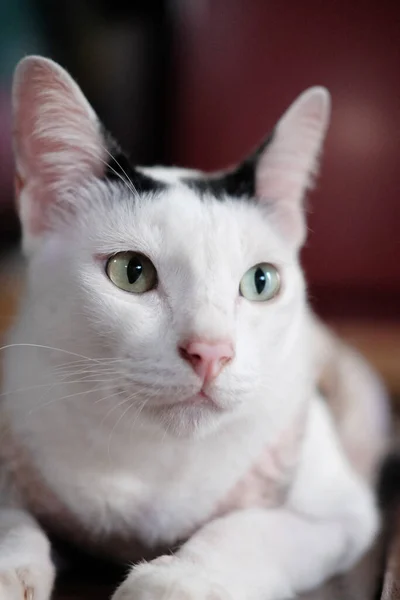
[[26, 569], [329, 520]]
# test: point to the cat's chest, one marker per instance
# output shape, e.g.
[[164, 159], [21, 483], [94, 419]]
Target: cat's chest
[[126, 511], [119, 513], [151, 495], [157, 509]]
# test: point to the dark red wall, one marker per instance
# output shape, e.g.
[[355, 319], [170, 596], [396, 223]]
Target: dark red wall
[[241, 63]]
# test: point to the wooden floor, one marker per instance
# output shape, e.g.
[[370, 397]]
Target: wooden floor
[[381, 344]]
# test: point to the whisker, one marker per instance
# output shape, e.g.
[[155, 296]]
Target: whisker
[[128, 185], [128, 179], [43, 347], [131, 405], [112, 408], [104, 418], [81, 363], [140, 410], [116, 425], [56, 400], [85, 372], [49, 385]]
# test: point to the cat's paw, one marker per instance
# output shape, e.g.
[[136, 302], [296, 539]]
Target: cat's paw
[[169, 578], [26, 583]]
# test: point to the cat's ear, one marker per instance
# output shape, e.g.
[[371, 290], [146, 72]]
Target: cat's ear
[[286, 166], [58, 141]]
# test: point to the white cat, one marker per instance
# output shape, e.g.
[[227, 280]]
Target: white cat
[[161, 382]]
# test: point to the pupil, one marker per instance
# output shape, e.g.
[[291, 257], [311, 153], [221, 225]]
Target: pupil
[[260, 280], [134, 269]]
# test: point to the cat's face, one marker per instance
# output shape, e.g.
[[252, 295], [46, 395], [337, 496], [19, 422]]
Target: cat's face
[[190, 283]]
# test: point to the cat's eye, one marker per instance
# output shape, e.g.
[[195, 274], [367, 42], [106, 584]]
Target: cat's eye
[[260, 283], [132, 272]]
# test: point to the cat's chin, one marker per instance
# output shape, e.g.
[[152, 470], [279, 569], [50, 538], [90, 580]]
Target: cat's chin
[[196, 415]]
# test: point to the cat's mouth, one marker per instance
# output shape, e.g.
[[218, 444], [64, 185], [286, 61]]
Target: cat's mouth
[[201, 400]]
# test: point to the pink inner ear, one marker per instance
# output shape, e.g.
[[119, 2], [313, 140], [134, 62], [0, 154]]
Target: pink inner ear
[[282, 176], [287, 165], [58, 144]]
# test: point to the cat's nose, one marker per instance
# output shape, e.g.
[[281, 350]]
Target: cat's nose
[[207, 359]]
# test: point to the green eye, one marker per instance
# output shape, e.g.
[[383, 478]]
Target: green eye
[[132, 272], [260, 283]]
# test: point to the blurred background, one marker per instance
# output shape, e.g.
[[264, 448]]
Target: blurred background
[[200, 82]]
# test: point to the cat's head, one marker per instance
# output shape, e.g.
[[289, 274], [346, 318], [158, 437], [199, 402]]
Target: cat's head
[[189, 282]]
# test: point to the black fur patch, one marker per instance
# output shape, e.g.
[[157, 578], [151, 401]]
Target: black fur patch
[[119, 168], [238, 183]]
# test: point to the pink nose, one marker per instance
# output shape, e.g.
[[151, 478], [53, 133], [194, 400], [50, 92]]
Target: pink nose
[[207, 358]]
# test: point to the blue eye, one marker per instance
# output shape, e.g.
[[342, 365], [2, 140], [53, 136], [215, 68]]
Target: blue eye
[[260, 283]]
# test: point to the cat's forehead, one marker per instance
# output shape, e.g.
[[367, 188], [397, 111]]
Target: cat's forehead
[[176, 218], [177, 205]]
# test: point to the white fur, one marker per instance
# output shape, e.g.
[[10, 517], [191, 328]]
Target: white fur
[[91, 373], [169, 174], [328, 520], [26, 570]]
